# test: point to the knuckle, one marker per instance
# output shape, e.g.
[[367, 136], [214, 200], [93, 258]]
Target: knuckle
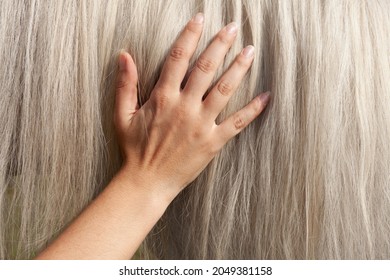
[[122, 83], [192, 28], [199, 131], [238, 122], [242, 62], [214, 148], [196, 134], [177, 53], [205, 65], [222, 38], [225, 88], [181, 113], [209, 147], [161, 101]]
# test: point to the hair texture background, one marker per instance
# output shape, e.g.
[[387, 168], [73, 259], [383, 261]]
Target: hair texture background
[[308, 179]]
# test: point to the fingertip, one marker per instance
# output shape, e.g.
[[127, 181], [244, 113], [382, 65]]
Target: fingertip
[[126, 100], [198, 18], [131, 67], [248, 51], [127, 67], [123, 60], [264, 99]]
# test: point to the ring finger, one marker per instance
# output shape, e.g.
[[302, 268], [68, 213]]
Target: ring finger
[[219, 96]]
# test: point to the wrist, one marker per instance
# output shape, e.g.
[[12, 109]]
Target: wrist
[[148, 185]]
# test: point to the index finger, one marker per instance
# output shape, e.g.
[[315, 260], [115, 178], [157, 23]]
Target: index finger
[[176, 64]]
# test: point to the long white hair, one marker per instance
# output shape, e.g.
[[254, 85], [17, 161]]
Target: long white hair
[[309, 179]]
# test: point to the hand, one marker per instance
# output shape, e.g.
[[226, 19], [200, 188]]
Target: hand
[[173, 136]]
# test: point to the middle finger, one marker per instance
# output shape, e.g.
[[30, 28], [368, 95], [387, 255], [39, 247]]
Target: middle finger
[[208, 62]]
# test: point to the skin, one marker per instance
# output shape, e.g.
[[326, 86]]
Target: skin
[[173, 127]]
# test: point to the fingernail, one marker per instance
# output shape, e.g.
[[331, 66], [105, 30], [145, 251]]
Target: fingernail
[[248, 51], [231, 28], [122, 60], [198, 18], [264, 97]]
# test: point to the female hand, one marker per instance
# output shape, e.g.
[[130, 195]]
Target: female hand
[[173, 136], [166, 143]]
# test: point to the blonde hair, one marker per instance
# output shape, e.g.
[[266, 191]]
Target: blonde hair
[[309, 179]]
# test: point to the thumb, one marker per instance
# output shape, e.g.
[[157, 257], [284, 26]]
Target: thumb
[[126, 101]]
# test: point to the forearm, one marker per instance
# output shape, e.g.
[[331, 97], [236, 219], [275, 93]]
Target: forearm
[[114, 224]]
